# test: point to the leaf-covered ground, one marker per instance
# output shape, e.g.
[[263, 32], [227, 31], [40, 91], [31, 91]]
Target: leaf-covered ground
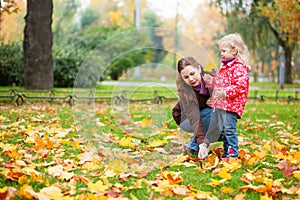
[[51, 151]]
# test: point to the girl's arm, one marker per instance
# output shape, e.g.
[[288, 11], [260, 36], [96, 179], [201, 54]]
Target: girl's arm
[[208, 79], [239, 83]]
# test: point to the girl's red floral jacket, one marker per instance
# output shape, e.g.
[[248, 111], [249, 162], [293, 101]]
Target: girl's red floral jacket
[[232, 78]]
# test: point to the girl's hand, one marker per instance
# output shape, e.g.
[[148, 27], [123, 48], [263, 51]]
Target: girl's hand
[[220, 93], [208, 78]]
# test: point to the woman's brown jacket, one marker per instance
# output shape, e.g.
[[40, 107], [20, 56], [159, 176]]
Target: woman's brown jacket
[[188, 107]]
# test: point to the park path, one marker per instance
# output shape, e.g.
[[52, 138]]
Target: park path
[[132, 83], [168, 85]]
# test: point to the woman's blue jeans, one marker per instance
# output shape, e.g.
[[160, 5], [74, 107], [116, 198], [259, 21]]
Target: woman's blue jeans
[[185, 125]]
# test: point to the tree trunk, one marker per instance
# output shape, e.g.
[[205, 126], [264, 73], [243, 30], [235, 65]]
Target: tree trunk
[[38, 64], [288, 64]]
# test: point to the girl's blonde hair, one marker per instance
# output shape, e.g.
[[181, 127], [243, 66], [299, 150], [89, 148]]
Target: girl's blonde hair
[[236, 41]]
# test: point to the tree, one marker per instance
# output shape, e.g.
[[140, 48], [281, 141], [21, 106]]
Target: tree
[[12, 20], [8, 6], [279, 17], [283, 20], [37, 44]]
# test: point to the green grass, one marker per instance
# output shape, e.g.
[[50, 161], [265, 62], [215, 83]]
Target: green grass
[[270, 126]]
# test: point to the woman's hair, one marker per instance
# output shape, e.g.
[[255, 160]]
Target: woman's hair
[[236, 41], [187, 61], [186, 92]]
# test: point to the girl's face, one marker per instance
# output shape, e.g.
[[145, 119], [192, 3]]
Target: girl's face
[[227, 51], [191, 75]]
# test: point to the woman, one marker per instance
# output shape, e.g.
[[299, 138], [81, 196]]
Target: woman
[[192, 113]]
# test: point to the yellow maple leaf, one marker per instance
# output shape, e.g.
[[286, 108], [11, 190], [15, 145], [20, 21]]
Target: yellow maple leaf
[[93, 197], [98, 186], [76, 145], [296, 174], [3, 190], [265, 197], [22, 180], [53, 192], [214, 182], [117, 166], [210, 66], [25, 191], [296, 156], [157, 143], [145, 122], [2, 118], [224, 174], [36, 177], [227, 190], [126, 142]]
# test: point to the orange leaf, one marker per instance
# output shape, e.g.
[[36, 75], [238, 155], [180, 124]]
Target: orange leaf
[[227, 190], [172, 177], [146, 122], [26, 191], [3, 192]]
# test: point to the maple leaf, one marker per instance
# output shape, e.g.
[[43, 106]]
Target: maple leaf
[[265, 197], [51, 192], [3, 192], [181, 190], [56, 170], [27, 192], [296, 174], [85, 157], [224, 174], [117, 166], [93, 197], [285, 169], [214, 183], [227, 190], [157, 143], [145, 122], [98, 186], [172, 177], [39, 143], [126, 142], [240, 197]]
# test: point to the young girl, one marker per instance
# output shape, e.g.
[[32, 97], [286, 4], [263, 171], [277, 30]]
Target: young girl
[[230, 92], [192, 113]]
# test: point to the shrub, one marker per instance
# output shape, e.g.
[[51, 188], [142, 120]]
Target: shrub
[[11, 63]]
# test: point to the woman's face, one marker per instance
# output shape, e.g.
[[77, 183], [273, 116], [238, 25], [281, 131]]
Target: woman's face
[[191, 75]]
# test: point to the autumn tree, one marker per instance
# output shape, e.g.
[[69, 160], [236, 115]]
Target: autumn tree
[[37, 44], [261, 17], [283, 20], [8, 6]]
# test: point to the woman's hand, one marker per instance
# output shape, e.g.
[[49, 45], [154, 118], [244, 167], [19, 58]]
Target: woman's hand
[[203, 153], [208, 78], [209, 102]]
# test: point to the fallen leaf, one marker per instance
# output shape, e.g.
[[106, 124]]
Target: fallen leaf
[[285, 169], [224, 174]]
